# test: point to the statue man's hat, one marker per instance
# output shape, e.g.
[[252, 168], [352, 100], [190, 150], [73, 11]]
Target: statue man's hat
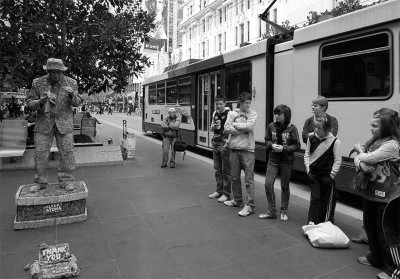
[[54, 64]]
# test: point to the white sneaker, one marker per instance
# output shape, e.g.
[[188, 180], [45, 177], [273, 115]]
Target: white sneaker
[[214, 195], [284, 216], [223, 198], [246, 211], [311, 223], [232, 203]]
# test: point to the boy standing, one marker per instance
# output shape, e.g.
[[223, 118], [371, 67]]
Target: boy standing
[[240, 126], [322, 161], [221, 153]]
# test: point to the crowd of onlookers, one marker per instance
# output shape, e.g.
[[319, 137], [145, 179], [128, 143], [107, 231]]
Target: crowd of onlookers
[[12, 109], [377, 164]]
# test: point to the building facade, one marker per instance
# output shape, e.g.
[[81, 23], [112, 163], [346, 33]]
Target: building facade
[[211, 27]]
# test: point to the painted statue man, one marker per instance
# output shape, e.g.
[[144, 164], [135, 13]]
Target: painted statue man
[[53, 97]]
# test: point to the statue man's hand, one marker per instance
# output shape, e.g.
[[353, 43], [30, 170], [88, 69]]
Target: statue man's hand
[[43, 99], [70, 91]]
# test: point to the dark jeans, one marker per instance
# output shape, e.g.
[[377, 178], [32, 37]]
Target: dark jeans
[[285, 170], [222, 166], [379, 254], [242, 159], [322, 196]]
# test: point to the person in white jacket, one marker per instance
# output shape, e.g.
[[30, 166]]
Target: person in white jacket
[[240, 126]]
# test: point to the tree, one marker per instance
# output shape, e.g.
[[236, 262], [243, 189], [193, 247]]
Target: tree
[[99, 40]]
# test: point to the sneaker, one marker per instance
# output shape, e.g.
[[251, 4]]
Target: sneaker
[[223, 198], [267, 215], [284, 216], [383, 275], [246, 211], [311, 223], [172, 165], [163, 166], [214, 195], [364, 261], [232, 203]]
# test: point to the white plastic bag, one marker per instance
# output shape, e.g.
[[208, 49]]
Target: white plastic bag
[[326, 235], [130, 146]]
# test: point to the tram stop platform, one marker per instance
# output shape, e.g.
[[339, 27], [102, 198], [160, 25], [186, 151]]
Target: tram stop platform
[[147, 222]]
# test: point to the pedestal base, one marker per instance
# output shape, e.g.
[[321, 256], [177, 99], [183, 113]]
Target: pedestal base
[[50, 206]]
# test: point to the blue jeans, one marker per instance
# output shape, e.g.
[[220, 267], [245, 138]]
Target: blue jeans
[[222, 166], [242, 159], [285, 170], [168, 143]]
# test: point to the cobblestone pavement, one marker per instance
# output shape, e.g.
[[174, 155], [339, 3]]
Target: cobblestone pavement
[[148, 222]]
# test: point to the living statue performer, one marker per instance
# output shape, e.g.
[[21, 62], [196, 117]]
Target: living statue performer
[[53, 97]]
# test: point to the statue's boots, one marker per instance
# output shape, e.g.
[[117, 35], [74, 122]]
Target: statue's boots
[[37, 187], [68, 185]]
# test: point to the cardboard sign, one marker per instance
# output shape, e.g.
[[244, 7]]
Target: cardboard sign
[[53, 254]]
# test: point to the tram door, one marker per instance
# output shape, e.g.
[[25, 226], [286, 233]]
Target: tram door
[[208, 88]]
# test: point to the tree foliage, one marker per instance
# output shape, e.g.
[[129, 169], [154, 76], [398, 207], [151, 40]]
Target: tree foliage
[[99, 40], [343, 7]]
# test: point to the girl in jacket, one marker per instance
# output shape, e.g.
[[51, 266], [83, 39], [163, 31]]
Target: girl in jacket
[[170, 128], [282, 140], [322, 161], [379, 160]]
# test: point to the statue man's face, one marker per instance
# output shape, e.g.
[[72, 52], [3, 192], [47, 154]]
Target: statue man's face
[[54, 75]]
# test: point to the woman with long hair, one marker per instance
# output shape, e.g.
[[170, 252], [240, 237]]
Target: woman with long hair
[[378, 163]]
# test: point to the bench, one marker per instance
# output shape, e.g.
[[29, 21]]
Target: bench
[[13, 133], [78, 122]]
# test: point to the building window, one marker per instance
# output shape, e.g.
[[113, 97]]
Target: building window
[[203, 25], [208, 48], [241, 5], [205, 4], [190, 33], [248, 31], [219, 42], [190, 53], [225, 8], [190, 10], [248, 4], [259, 27], [275, 15], [357, 68], [220, 15], [237, 6], [203, 44], [241, 26], [224, 40], [236, 36]]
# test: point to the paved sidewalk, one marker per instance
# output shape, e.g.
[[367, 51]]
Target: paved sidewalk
[[148, 222]]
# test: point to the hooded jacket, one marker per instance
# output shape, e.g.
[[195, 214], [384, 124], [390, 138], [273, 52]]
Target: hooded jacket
[[290, 143], [218, 125], [316, 151], [170, 127], [240, 126]]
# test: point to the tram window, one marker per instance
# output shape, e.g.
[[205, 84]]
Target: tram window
[[184, 91], [161, 93], [171, 92], [152, 95], [238, 79], [358, 68]]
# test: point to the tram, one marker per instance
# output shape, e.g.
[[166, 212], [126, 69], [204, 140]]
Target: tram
[[353, 60]]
